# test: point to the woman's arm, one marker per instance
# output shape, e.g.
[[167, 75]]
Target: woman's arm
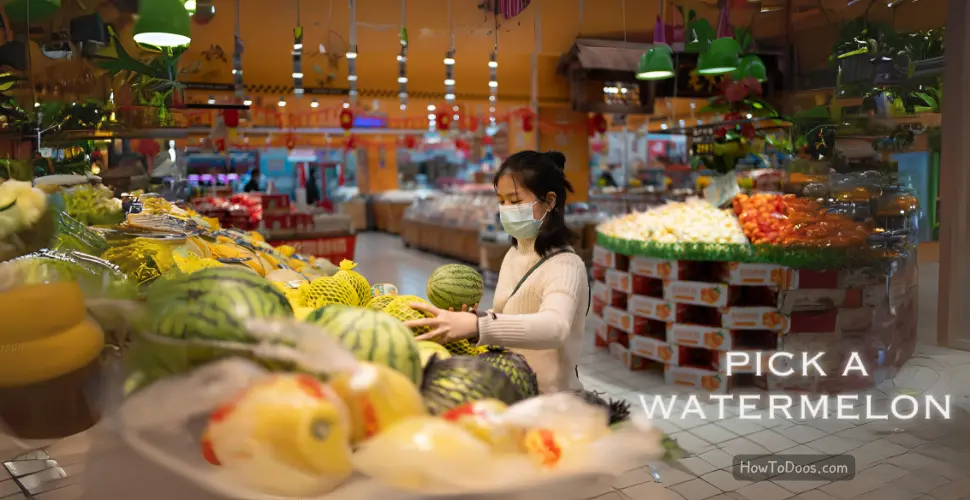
[[562, 293]]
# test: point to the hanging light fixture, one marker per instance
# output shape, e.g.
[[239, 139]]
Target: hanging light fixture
[[402, 59], [315, 104], [163, 23], [352, 54], [721, 57], [298, 54], [751, 66], [493, 76], [282, 103], [450, 61], [656, 63]]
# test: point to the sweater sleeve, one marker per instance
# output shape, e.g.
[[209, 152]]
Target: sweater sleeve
[[549, 327]]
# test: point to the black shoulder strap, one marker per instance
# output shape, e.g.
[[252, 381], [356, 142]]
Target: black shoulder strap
[[542, 261]]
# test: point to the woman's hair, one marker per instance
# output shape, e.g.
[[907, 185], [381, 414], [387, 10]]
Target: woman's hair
[[255, 172], [542, 173]]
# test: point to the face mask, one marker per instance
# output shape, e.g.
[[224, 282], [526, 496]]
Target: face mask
[[518, 221]]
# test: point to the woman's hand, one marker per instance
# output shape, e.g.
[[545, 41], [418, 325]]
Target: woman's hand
[[446, 326]]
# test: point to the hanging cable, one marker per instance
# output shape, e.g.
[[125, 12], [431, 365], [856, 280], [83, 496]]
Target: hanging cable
[[237, 51], [402, 58], [298, 54], [352, 54]]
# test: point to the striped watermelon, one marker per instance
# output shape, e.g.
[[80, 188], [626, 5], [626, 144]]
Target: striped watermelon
[[452, 286], [213, 303], [371, 336]]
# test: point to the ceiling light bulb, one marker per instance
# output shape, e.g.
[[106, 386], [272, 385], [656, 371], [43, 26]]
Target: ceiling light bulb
[[282, 102], [492, 64], [493, 84], [403, 107], [449, 81], [315, 104], [247, 102], [402, 79], [449, 97], [212, 100], [449, 61], [431, 107], [346, 105], [351, 55], [297, 75]]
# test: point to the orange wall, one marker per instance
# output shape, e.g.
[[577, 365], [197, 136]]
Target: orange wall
[[573, 142]]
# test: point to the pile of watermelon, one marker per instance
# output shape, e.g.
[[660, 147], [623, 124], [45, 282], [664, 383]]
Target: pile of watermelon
[[199, 317]]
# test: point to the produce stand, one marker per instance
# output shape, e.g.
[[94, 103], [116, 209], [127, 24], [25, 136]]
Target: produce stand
[[389, 214], [333, 247], [680, 307], [457, 242]]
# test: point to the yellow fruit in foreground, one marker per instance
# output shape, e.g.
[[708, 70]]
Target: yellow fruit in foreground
[[287, 435], [355, 279], [377, 397]]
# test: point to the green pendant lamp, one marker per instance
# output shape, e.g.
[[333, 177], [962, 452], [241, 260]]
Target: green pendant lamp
[[751, 66], [163, 23], [39, 10], [720, 58], [656, 63]]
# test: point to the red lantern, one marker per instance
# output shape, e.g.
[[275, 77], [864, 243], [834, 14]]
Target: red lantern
[[528, 124], [410, 142], [350, 144], [148, 147], [598, 146], [220, 144], [488, 140], [231, 118], [443, 121], [472, 123], [462, 146], [346, 119]]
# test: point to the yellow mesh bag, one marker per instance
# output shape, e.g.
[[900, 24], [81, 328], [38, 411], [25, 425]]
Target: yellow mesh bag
[[356, 280], [325, 291], [465, 348], [189, 263], [400, 308], [379, 303]]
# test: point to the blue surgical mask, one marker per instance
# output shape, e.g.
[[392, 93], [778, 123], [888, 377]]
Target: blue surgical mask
[[518, 221]]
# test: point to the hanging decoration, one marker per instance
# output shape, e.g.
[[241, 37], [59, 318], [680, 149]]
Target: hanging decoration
[[537, 49], [492, 77], [298, 54], [237, 52], [409, 142], [350, 144], [290, 142], [596, 125], [443, 121], [528, 123], [450, 61], [346, 119], [352, 54], [402, 59]]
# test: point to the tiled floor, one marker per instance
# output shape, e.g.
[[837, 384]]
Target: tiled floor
[[898, 460]]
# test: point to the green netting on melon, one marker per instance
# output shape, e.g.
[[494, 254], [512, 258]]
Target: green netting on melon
[[400, 308], [324, 291]]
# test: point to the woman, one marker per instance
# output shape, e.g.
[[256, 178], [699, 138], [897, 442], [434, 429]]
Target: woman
[[542, 295]]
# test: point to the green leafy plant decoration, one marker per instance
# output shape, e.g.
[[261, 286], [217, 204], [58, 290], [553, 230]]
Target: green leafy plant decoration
[[153, 82], [932, 100]]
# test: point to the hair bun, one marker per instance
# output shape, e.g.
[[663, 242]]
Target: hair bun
[[558, 158]]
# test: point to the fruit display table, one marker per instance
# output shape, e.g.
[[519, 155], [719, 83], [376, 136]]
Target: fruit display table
[[684, 316], [457, 242], [330, 246]]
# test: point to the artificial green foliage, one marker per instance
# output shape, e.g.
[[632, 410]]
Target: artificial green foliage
[[154, 81]]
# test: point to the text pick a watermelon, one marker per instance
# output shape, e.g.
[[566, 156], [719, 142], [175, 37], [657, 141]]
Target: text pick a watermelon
[[452, 286], [213, 303], [371, 336]]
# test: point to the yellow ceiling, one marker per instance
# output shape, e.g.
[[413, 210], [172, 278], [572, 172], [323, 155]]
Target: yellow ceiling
[[266, 29]]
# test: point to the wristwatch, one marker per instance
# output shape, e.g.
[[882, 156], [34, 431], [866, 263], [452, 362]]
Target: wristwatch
[[480, 314]]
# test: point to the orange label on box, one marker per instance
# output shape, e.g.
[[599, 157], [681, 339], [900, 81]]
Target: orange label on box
[[697, 293], [651, 348], [621, 320], [603, 257], [654, 268], [754, 318], [760, 275], [708, 337], [618, 280], [621, 353], [697, 378], [649, 307]]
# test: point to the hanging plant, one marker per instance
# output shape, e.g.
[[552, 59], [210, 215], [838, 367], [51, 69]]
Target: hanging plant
[[154, 82]]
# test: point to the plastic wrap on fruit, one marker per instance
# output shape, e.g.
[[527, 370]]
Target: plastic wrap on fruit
[[431, 454], [286, 435], [483, 419], [377, 398]]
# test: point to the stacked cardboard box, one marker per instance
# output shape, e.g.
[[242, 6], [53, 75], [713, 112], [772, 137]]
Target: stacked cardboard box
[[687, 315]]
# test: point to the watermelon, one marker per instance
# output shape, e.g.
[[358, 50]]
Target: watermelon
[[371, 336], [450, 383], [213, 303], [452, 286]]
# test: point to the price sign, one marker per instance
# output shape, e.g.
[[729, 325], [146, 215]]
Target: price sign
[[722, 189], [702, 141]]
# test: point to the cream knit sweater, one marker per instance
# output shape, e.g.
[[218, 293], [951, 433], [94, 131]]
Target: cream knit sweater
[[545, 320]]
